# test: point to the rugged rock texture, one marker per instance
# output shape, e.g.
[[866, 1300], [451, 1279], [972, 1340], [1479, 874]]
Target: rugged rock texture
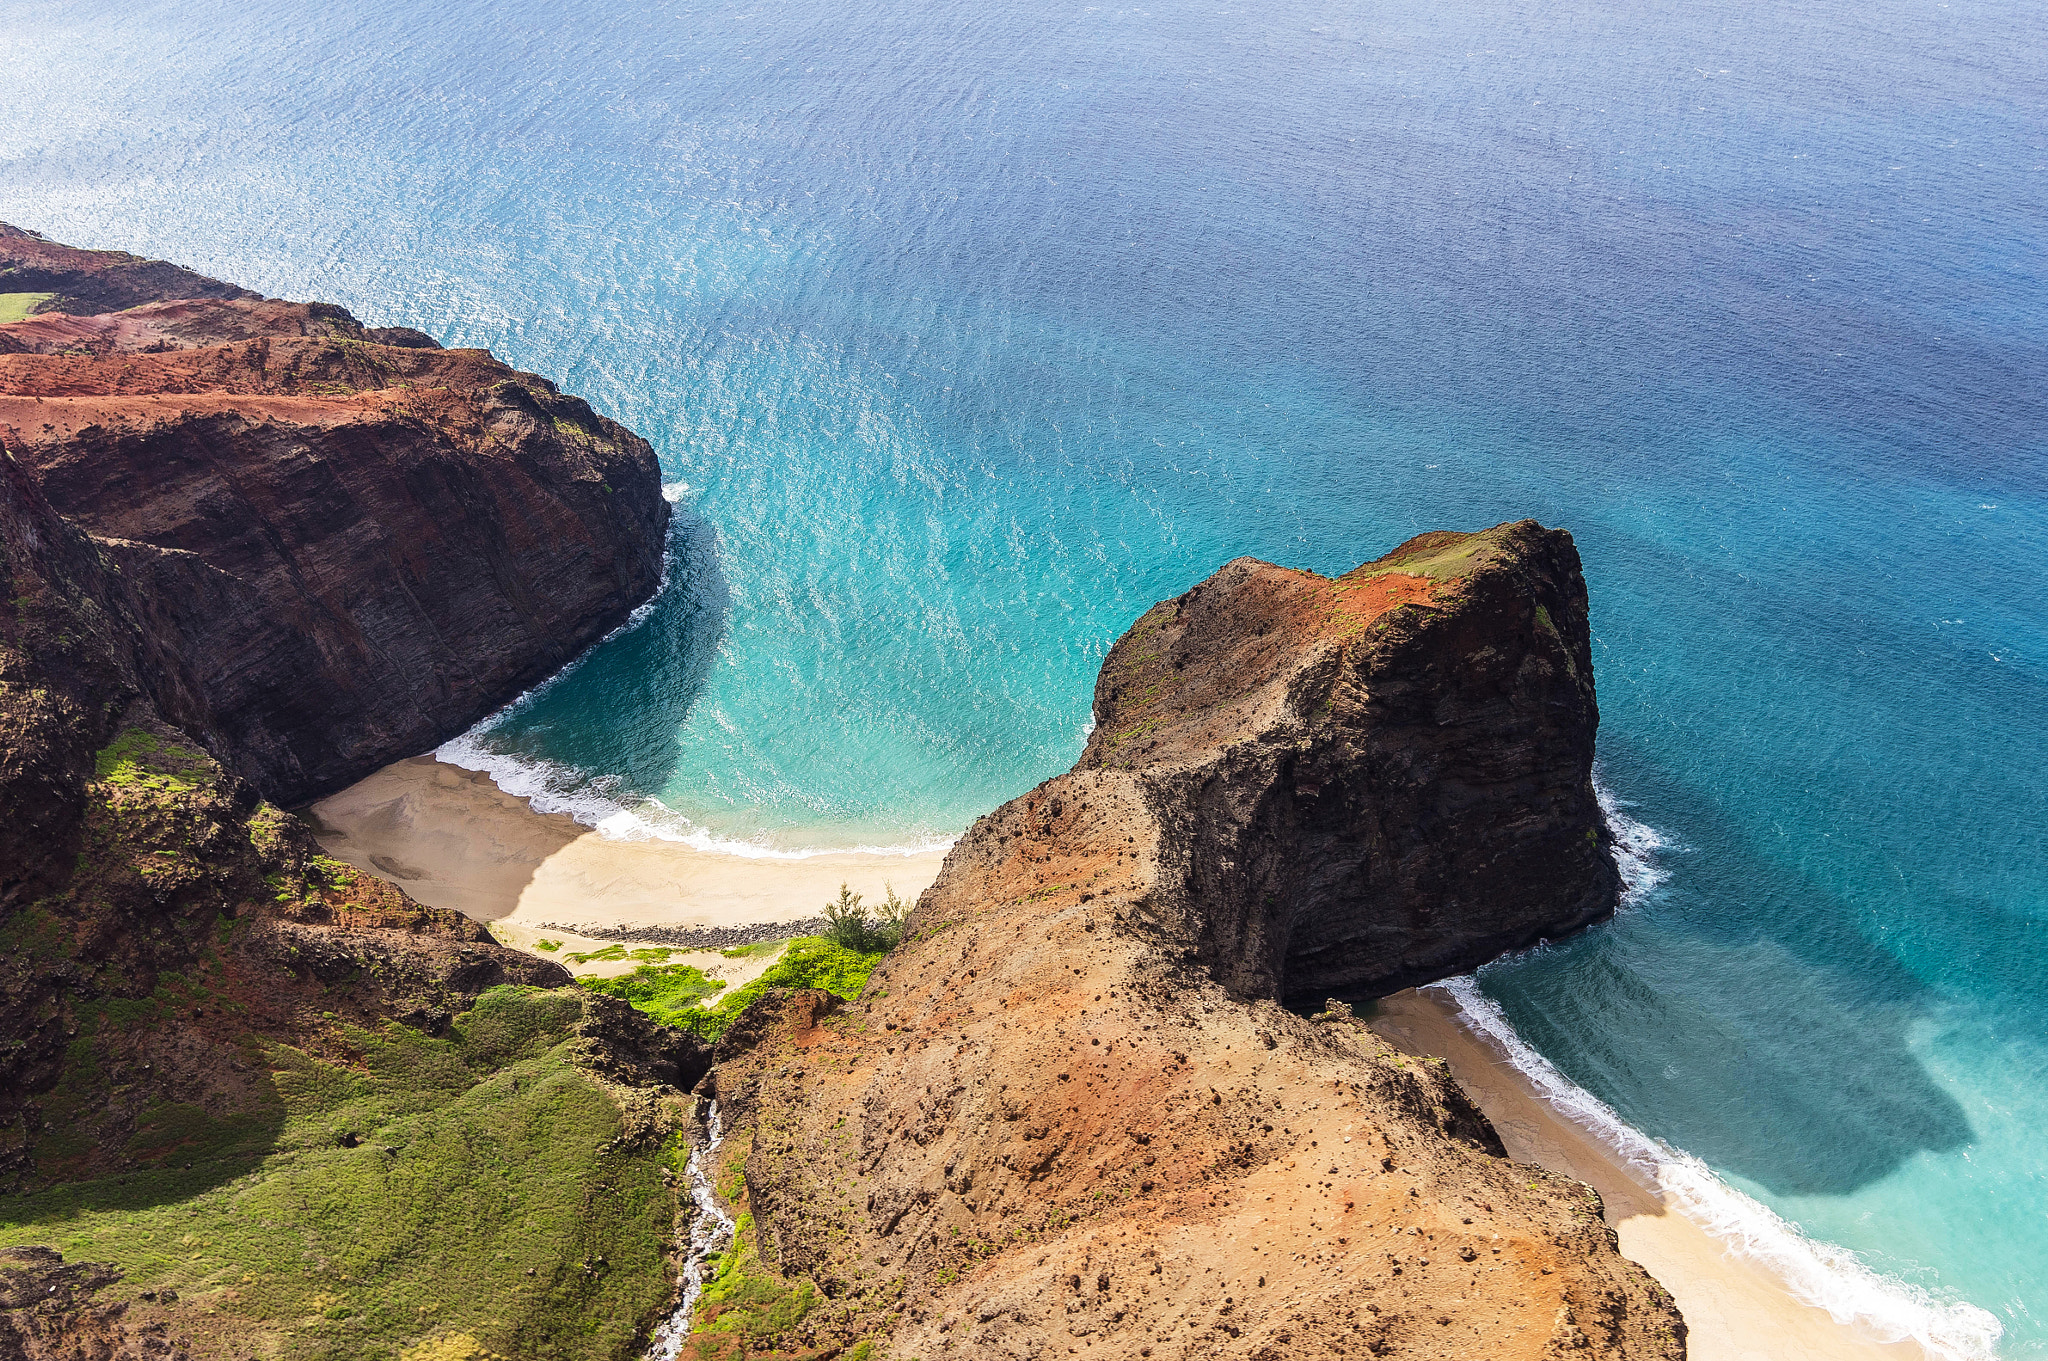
[[89, 281], [53, 1312], [1373, 781], [248, 551], [1069, 1115], [342, 552]]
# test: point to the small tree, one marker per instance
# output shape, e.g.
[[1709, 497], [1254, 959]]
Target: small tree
[[850, 923]]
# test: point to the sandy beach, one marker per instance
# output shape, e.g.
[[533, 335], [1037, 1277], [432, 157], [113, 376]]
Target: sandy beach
[[1736, 1310], [451, 838]]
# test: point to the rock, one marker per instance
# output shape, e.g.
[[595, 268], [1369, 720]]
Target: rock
[[336, 553], [246, 554], [1072, 1106], [89, 281], [1373, 781], [53, 1312]]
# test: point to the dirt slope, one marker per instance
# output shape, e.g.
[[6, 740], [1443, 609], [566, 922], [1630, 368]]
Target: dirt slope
[[1069, 1116]]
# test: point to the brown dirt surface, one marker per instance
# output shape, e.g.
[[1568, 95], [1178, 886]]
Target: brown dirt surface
[[1068, 1116], [90, 281], [339, 552]]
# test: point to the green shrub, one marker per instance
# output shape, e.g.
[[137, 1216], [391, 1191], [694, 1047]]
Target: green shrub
[[667, 992], [672, 993], [852, 924]]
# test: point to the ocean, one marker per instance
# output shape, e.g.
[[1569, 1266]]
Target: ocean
[[967, 331]]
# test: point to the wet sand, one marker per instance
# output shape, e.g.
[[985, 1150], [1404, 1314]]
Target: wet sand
[[451, 838], [1736, 1310]]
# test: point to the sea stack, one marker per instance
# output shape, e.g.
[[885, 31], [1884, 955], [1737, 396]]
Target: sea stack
[[1072, 1110]]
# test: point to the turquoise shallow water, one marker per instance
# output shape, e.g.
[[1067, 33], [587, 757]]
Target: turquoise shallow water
[[966, 332]]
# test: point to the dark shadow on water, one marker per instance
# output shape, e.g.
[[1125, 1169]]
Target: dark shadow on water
[[615, 713], [1741, 1015]]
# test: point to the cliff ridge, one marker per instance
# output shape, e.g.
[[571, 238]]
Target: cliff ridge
[[1072, 1111]]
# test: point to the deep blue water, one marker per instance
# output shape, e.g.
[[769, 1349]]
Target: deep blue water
[[966, 331]]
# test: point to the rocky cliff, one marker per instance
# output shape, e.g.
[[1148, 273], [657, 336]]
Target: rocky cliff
[[1071, 1112], [343, 551], [250, 549]]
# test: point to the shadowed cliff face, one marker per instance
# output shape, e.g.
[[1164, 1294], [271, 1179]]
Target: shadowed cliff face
[[91, 281], [1068, 1111], [341, 552], [1373, 781], [251, 548]]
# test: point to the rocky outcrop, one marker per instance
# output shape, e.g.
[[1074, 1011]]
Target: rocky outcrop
[[92, 281], [341, 552], [250, 549], [51, 1311], [1071, 1112], [1372, 781]]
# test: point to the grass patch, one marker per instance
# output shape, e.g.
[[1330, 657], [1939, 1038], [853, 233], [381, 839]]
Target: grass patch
[[744, 1298], [756, 950], [444, 1198], [1441, 557], [664, 991], [140, 759], [17, 306], [807, 962], [652, 954]]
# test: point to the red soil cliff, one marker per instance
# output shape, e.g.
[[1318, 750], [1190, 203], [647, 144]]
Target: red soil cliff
[[1069, 1116]]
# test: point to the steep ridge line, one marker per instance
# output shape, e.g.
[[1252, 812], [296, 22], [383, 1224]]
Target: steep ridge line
[[1069, 1113]]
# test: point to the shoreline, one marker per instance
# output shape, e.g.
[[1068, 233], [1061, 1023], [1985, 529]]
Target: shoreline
[[1735, 1309], [451, 838]]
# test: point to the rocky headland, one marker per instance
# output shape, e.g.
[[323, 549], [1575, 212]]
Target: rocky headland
[[1072, 1113], [254, 550], [1105, 1098]]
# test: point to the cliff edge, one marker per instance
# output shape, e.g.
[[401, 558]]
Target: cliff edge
[[250, 550], [1071, 1112], [340, 551]]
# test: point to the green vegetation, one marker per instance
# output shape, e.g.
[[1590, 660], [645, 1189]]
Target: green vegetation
[[17, 306], [1444, 557], [664, 991], [744, 1297], [549, 945], [755, 950], [671, 993], [850, 924], [653, 954], [139, 758], [417, 1198]]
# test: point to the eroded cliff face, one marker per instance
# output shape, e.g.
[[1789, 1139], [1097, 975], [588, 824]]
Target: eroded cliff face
[[1370, 781], [90, 281], [249, 549], [346, 551], [1070, 1114]]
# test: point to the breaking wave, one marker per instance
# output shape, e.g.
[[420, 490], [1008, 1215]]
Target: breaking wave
[[1817, 1273]]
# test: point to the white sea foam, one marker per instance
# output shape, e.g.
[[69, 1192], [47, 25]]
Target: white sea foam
[[711, 1231], [599, 803], [1815, 1272], [549, 787], [1636, 847]]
